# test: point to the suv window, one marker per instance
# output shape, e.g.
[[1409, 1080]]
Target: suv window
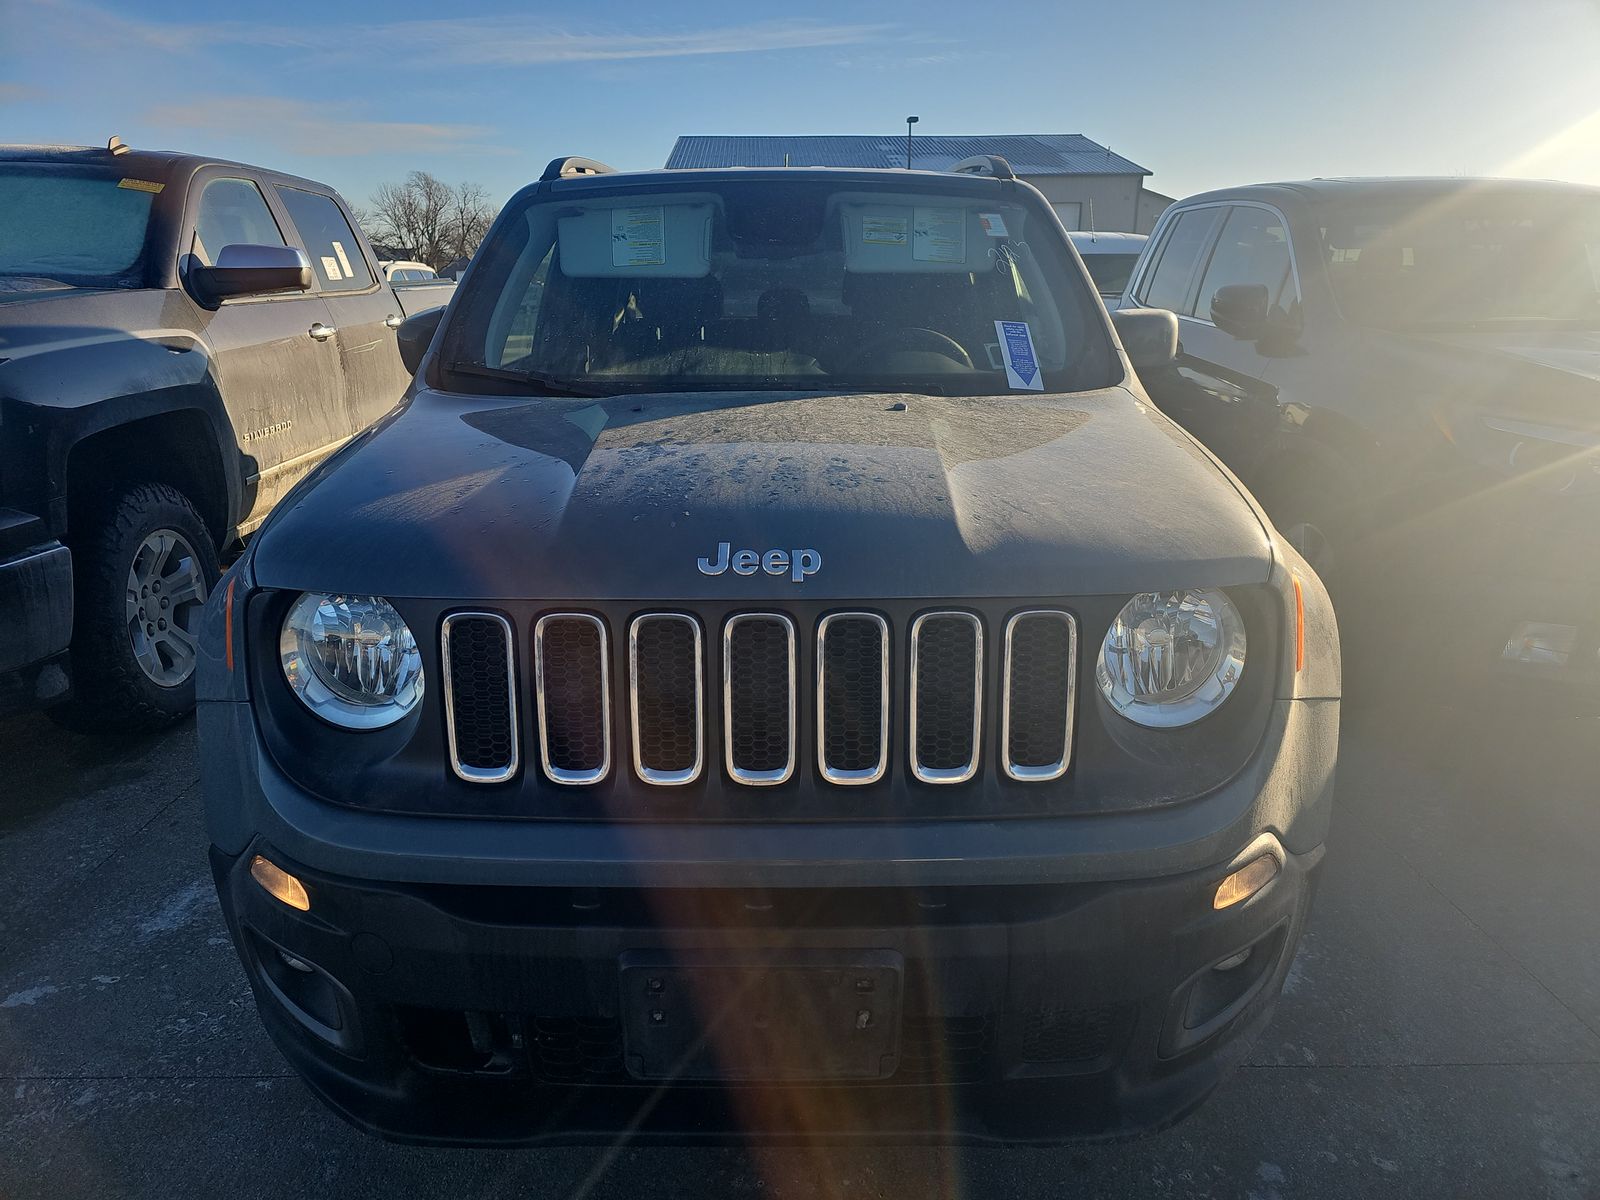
[[768, 285], [1253, 248], [1167, 285], [232, 213], [332, 245]]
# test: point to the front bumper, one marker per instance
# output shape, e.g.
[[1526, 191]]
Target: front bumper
[[482, 1016], [465, 975], [36, 600]]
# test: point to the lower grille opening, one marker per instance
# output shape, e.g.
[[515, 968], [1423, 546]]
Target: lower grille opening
[[938, 1050], [1066, 1035], [577, 1049], [466, 1042]]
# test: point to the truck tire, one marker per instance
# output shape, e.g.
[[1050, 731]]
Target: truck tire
[[142, 569]]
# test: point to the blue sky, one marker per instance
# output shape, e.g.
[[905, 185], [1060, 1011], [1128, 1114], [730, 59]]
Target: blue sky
[[1204, 94]]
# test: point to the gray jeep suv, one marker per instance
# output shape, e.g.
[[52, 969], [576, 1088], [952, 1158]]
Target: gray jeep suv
[[776, 676]]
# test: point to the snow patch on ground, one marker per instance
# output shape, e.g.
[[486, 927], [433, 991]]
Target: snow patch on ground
[[179, 909], [29, 996]]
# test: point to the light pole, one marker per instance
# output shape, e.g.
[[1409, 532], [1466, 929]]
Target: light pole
[[910, 121]]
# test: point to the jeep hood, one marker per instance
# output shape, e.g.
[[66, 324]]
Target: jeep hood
[[902, 496]]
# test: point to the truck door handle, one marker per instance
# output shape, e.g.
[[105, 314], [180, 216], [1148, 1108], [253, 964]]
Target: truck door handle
[[322, 332], [392, 321]]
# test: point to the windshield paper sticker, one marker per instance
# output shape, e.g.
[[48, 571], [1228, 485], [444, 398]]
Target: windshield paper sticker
[[141, 185], [939, 234], [993, 224], [636, 239], [344, 260], [330, 268], [1022, 364], [884, 231]]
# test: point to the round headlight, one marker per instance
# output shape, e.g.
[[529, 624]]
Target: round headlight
[[351, 660], [1171, 658]]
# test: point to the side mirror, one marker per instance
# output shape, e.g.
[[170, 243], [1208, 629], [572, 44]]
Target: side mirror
[[244, 270], [416, 335], [1241, 310], [1149, 335]]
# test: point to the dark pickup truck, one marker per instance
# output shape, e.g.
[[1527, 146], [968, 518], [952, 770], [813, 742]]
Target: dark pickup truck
[[181, 340]]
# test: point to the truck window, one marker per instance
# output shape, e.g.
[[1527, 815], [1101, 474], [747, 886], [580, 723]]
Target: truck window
[[232, 212], [1253, 248], [332, 245], [1167, 285], [73, 226]]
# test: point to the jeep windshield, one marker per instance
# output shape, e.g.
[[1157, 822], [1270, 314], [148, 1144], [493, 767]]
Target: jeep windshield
[[1474, 258], [76, 225], [778, 284]]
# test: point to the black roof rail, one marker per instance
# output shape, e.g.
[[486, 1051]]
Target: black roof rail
[[572, 165], [985, 164]]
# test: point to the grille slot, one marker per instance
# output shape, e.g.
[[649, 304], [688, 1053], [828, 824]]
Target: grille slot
[[480, 698], [1066, 1035], [935, 1049], [758, 702], [1038, 694], [666, 698], [574, 695], [852, 698], [946, 696]]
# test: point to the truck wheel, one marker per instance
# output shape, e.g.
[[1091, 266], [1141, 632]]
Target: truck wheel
[[142, 572]]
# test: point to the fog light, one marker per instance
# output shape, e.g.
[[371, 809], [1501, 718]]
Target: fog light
[[305, 968], [1234, 960], [1246, 882], [280, 884]]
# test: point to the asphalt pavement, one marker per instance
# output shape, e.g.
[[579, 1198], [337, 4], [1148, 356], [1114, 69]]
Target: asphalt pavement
[[1440, 1034]]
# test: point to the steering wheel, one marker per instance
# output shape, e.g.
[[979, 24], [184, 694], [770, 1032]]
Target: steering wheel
[[914, 337]]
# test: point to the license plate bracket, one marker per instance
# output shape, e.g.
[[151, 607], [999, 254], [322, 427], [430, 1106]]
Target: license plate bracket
[[781, 1017]]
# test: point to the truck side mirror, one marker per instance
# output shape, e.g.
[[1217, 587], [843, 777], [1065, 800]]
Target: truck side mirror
[[416, 335], [245, 270], [1149, 335], [1241, 310]]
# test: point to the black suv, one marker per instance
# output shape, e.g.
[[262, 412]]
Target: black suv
[[777, 675], [1407, 373], [181, 340]]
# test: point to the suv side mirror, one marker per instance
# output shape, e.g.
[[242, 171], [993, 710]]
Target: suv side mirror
[[1241, 310], [245, 270], [416, 335], [1149, 335]]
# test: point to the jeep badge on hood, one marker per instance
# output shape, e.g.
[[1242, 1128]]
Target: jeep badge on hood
[[799, 563]]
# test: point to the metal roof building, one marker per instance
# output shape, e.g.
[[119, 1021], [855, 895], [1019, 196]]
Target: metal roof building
[[1087, 183]]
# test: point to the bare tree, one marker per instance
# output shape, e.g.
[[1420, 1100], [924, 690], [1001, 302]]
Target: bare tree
[[437, 222]]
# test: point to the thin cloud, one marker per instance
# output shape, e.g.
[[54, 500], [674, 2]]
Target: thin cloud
[[509, 41], [16, 93], [318, 129]]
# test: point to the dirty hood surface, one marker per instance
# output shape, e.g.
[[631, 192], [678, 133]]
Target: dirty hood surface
[[901, 496]]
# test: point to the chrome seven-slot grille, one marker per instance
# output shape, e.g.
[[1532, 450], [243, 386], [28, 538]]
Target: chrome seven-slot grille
[[760, 657]]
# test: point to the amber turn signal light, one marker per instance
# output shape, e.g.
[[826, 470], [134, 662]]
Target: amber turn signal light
[[1246, 882], [279, 884]]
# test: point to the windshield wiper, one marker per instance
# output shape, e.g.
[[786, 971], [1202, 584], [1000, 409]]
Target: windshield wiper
[[548, 385]]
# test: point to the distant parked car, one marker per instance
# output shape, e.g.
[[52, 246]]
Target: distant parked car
[[1109, 258], [407, 271], [181, 340], [1411, 365]]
